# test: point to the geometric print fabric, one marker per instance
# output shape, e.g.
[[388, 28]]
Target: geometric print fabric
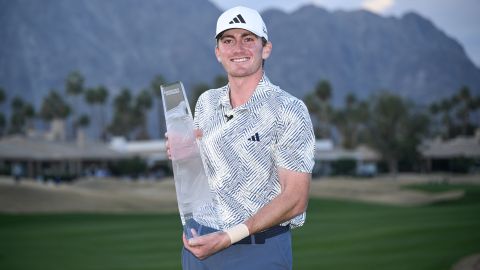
[[243, 147]]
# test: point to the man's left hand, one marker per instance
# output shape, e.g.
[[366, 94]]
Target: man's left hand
[[207, 245]]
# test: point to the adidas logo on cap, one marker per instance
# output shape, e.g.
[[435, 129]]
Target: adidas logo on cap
[[237, 19]]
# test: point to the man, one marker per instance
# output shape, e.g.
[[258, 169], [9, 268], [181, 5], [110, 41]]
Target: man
[[258, 145]]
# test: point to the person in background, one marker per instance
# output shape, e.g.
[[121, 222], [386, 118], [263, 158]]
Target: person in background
[[17, 172]]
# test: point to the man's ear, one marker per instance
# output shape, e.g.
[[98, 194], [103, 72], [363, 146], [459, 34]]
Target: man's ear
[[217, 54], [267, 49]]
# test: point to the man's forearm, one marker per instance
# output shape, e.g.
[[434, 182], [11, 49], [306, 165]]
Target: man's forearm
[[291, 201]]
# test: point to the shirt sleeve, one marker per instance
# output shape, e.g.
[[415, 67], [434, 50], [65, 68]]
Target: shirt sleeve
[[295, 138], [198, 112]]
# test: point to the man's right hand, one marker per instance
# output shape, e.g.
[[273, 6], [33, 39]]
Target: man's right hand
[[198, 134]]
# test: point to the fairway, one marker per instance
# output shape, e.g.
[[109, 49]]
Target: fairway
[[337, 235]]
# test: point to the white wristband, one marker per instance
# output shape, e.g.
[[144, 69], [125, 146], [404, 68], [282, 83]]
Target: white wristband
[[237, 232]]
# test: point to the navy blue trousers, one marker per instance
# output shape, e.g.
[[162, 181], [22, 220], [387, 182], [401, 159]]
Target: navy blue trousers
[[275, 253]]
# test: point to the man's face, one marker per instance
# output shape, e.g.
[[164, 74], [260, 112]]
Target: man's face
[[241, 52]]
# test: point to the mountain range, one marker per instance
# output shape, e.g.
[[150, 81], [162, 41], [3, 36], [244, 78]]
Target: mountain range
[[125, 43]]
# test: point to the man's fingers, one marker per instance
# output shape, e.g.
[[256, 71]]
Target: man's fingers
[[192, 240], [167, 146], [198, 133]]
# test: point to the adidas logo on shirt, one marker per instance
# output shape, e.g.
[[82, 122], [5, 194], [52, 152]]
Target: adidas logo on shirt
[[237, 19], [255, 138]]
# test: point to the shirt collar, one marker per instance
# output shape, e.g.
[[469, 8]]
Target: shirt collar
[[263, 90]]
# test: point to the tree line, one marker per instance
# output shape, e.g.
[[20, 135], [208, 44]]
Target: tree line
[[129, 111], [129, 117], [393, 125]]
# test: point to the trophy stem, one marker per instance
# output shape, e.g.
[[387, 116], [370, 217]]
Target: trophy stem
[[191, 183]]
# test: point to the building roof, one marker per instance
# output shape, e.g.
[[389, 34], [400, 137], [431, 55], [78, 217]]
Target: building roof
[[152, 150], [146, 147], [26, 148], [18, 147], [468, 147], [361, 153]]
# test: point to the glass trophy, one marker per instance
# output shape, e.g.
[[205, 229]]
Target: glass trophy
[[191, 183]]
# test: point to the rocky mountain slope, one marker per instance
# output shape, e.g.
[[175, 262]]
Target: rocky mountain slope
[[124, 43]]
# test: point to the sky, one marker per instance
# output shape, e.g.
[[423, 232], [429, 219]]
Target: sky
[[459, 19]]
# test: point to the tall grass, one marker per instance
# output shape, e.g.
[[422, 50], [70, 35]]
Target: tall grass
[[337, 235]]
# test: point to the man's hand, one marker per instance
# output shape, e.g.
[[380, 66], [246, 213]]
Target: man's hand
[[206, 245], [197, 132]]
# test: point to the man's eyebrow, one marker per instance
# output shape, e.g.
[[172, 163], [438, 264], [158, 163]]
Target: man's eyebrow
[[248, 34], [245, 34], [226, 36]]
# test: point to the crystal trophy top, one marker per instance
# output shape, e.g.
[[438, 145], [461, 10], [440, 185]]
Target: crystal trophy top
[[194, 195]]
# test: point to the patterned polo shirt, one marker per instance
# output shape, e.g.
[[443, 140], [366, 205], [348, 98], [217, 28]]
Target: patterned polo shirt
[[244, 146]]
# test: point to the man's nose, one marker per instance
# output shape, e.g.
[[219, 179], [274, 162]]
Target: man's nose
[[238, 46]]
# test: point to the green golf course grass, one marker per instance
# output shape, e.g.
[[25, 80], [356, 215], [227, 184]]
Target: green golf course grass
[[337, 235]]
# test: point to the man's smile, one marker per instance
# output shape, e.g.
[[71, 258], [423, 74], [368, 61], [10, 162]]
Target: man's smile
[[237, 60]]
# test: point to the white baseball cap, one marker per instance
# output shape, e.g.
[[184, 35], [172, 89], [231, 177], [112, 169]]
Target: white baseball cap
[[244, 18]]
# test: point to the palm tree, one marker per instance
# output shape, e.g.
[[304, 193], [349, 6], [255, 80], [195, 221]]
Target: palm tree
[[22, 113], [464, 110], [83, 120], [3, 119], [3, 97], [323, 91], [311, 102], [96, 98], [30, 114], [55, 110], [129, 118], [318, 104], [123, 120], [350, 119], [474, 105], [446, 106], [3, 123], [90, 95], [74, 87], [101, 98], [395, 129], [74, 83], [54, 107], [456, 112], [143, 103], [17, 120]]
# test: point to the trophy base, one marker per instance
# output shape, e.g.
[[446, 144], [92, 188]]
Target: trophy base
[[190, 226]]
